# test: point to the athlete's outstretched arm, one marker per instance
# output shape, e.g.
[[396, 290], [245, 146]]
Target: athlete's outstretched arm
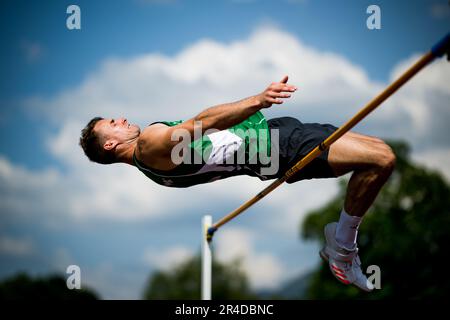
[[219, 117], [226, 115]]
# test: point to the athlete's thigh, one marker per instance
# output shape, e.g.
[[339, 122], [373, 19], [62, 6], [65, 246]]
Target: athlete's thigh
[[353, 151]]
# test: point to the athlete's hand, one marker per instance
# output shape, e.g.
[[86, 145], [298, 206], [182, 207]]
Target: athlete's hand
[[275, 92]]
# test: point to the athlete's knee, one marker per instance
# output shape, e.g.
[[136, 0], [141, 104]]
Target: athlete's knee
[[385, 157]]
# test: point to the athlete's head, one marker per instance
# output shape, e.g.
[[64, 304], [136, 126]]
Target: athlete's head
[[101, 138]]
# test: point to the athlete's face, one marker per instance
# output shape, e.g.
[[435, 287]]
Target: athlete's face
[[116, 131]]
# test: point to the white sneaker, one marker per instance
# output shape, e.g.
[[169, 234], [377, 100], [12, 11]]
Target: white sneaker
[[345, 265]]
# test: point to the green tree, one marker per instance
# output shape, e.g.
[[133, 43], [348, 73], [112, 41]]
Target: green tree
[[183, 282], [406, 233], [23, 287]]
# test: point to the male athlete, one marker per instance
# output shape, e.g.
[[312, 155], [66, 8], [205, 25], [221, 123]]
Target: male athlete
[[152, 151]]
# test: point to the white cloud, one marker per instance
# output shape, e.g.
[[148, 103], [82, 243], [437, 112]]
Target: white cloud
[[419, 111], [80, 193], [262, 268], [152, 86], [167, 258], [15, 246], [112, 282], [61, 259], [437, 159], [292, 202]]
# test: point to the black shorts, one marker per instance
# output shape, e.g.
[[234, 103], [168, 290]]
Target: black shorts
[[296, 140]]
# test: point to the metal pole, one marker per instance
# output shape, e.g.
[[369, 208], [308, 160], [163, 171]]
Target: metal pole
[[206, 260], [441, 48]]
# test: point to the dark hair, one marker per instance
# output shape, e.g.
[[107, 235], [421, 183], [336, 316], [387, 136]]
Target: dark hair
[[92, 146]]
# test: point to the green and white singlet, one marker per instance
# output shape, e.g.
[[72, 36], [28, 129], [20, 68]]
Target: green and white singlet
[[240, 150]]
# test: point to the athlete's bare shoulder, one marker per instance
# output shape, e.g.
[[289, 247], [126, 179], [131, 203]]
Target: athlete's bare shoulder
[[151, 149]]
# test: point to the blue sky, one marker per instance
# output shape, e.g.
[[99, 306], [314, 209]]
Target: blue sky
[[55, 79]]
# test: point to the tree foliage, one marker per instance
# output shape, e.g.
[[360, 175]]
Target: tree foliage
[[406, 233], [183, 282], [23, 287]]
